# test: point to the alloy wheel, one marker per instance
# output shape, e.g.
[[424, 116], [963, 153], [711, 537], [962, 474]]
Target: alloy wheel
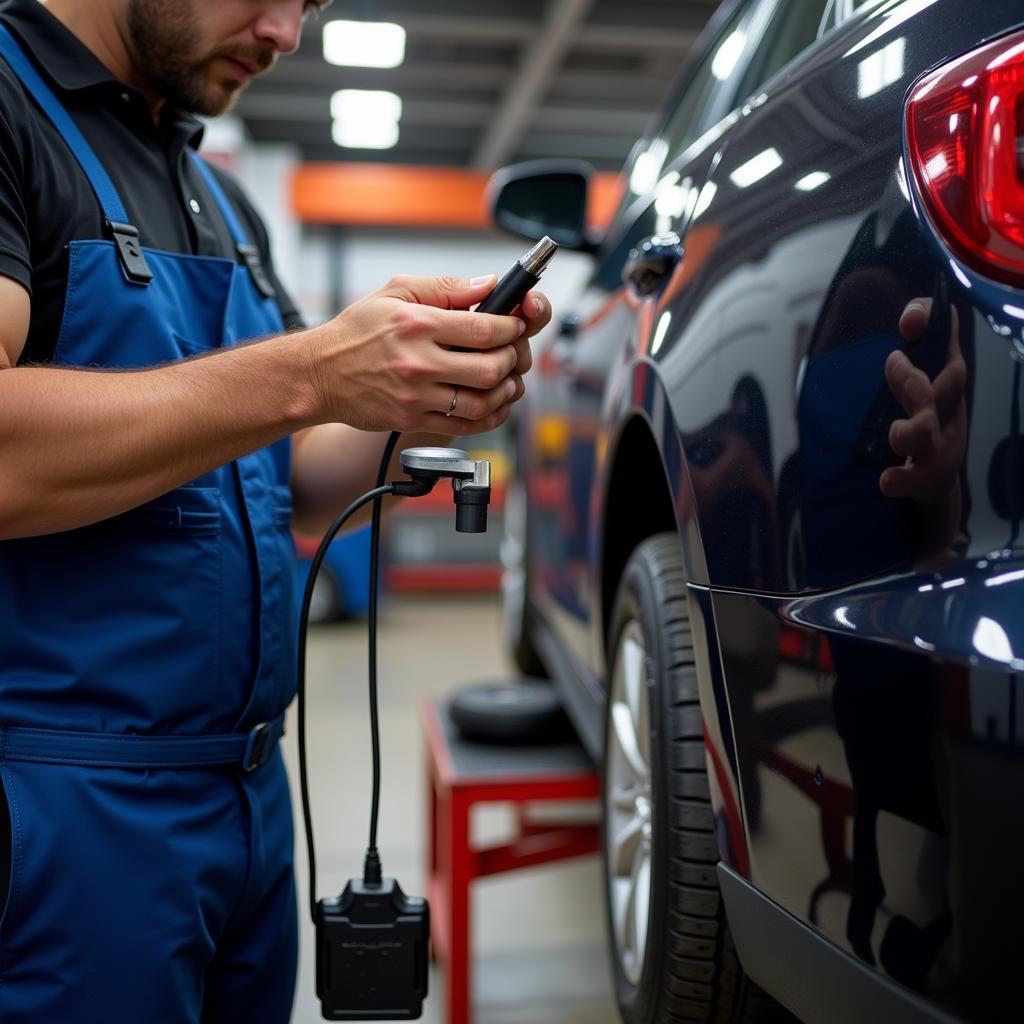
[[628, 801]]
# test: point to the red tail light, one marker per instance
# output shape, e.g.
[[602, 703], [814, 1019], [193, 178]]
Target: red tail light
[[965, 129]]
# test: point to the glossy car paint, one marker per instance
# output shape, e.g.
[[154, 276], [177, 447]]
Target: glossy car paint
[[861, 655]]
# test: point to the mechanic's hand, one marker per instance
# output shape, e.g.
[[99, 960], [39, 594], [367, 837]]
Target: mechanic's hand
[[535, 311], [389, 361], [933, 437]]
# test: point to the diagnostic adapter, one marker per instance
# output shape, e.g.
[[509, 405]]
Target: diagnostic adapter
[[371, 952], [471, 481]]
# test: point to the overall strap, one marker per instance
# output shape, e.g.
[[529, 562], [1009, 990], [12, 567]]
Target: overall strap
[[246, 251], [124, 234]]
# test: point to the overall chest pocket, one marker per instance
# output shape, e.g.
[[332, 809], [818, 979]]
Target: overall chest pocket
[[164, 587], [184, 512]]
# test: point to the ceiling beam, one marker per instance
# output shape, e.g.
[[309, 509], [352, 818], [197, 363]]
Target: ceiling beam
[[597, 86], [615, 38], [312, 70], [629, 35], [610, 149], [539, 66]]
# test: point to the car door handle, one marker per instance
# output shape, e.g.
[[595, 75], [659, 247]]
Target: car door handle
[[652, 261]]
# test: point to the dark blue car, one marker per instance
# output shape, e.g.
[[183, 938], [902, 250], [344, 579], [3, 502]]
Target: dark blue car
[[766, 529]]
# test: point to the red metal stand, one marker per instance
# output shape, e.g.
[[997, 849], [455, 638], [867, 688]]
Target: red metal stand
[[463, 775]]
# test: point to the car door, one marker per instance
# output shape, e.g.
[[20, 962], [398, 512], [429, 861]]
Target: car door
[[661, 187]]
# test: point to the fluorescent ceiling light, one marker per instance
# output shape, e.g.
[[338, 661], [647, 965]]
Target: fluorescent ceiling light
[[383, 135], [364, 44], [724, 62], [813, 180], [757, 168], [882, 68], [365, 118], [365, 105]]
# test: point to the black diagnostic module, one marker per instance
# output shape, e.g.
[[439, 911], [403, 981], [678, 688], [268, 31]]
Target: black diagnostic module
[[371, 959]]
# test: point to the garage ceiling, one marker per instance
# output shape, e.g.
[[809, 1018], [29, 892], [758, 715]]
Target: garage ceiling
[[489, 82]]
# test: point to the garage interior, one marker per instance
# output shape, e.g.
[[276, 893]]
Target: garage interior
[[481, 86], [720, 718]]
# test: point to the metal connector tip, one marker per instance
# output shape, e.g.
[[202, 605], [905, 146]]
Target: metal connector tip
[[539, 256]]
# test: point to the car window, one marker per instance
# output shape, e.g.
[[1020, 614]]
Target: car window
[[792, 28], [693, 111], [689, 115]]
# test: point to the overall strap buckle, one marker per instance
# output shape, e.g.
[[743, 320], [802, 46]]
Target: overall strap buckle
[[129, 252], [250, 256], [260, 745]]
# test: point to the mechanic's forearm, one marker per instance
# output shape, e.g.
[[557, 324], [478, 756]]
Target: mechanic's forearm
[[78, 446]]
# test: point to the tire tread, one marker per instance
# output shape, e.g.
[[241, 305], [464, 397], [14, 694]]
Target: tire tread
[[700, 978]]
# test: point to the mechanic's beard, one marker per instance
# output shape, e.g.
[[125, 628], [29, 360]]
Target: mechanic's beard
[[164, 35]]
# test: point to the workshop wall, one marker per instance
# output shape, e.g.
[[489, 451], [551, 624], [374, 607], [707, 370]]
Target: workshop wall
[[322, 265]]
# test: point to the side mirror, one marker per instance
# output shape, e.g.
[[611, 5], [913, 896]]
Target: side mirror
[[543, 197]]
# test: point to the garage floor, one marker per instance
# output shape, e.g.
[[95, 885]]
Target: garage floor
[[538, 934]]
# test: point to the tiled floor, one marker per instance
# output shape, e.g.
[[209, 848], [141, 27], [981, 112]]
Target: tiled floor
[[539, 934]]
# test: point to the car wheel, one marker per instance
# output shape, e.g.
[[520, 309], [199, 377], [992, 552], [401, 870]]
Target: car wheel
[[516, 612], [672, 954], [325, 603]]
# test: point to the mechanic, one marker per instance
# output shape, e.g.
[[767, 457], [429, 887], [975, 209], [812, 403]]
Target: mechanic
[[147, 648]]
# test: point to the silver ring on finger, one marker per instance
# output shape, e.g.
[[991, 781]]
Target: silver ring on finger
[[455, 398]]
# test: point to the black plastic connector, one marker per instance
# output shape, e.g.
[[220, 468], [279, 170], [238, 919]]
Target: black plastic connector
[[415, 488], [470, 507]]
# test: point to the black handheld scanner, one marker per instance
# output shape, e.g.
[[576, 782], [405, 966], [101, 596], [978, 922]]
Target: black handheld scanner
[[524, 275]]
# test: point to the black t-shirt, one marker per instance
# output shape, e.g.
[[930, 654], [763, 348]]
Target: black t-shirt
[[46, 200]]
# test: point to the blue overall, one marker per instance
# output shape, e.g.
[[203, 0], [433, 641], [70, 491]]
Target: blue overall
[[145, 665]]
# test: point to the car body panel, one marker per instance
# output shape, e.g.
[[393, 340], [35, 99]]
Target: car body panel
[[860, 655]]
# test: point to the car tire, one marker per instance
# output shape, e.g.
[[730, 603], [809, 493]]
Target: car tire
[[672, 954], [517, 613], [523, 713]]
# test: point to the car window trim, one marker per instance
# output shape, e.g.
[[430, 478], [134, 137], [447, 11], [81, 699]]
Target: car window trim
[[844, 12], [631, 213]]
